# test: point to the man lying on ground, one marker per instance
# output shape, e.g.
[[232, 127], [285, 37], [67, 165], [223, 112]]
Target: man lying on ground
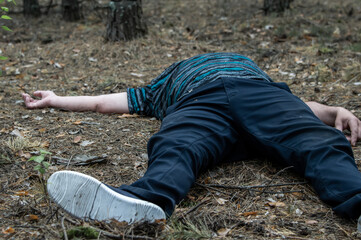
[[214, 108]]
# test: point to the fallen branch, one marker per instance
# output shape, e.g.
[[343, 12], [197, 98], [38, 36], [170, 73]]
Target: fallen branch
[[212, 188], [250, 187], [278, 173]]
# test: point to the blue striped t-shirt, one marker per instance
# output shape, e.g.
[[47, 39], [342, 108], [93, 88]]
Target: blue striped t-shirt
[[185, 76]]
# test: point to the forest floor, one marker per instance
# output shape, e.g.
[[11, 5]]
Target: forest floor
[[315, 47]]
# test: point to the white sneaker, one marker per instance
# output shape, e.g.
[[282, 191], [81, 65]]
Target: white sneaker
[[87, 198]]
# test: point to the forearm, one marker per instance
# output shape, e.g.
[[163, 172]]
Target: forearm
[[326, 114], [112, 103]]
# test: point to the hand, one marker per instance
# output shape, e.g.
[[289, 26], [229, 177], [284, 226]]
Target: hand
[[346, 120], [45, 101]]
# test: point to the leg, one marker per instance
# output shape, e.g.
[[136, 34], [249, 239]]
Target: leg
[[287, 130], [195, 134]]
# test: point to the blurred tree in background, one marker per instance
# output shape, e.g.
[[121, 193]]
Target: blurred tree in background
[[71, 10], [31, 8], [125, 20], [270, 6]]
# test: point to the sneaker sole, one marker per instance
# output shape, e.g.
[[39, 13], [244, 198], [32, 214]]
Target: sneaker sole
[[89, 199]]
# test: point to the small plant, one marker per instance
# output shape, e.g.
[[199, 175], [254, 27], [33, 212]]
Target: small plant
[[4, 16], [43, 165], [4, 10]]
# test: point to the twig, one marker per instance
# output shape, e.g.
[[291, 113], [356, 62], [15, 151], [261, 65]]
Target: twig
[[21, 180], [52, 215], [64, 230], [343, 230], [273, 192], [195, 207], [254, 186], [67, 165], [25, 226], [278, 173], [212, 188], [72, 221]]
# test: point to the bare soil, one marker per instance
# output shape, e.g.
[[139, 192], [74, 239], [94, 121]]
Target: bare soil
[[315, 47]]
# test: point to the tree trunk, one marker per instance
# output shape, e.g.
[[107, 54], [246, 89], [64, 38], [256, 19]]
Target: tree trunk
[[71, 10], [31, 8], [125, 20], [270, 6]]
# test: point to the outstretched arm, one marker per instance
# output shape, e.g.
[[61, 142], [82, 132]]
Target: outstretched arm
[[338, 117], [110, 103]]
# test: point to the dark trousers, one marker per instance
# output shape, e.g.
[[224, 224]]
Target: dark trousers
[[234, 120]]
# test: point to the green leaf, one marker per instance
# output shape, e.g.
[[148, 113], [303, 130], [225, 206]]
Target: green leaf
[[44, 152], [6, 28], [6, 17], [37, 159], [46, 165], [37, 167], [3, 58], [5, 9]]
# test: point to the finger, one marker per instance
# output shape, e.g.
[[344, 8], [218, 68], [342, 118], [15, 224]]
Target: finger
[[27, 100], [25, 96], [339, 125], [33, 104], [353, 125], [38, 93]]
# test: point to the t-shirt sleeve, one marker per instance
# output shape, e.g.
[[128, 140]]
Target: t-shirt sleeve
[[140, 101]]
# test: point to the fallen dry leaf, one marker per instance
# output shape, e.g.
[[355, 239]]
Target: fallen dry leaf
[[77, 139], [276, 204], [25, 155], [31, 217], [22, 193], [126, 115], [221, 201], [17, 133], [9, 230], [137, 74], [86, 143], [45, 144], [42, 129], [60, 135], [207, 180], [246, 214], [297, 194], [222, 232], [311, 222]]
